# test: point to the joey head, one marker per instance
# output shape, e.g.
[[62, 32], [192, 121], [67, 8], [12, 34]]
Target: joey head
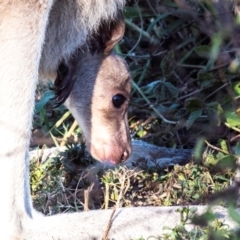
[[95, 86]]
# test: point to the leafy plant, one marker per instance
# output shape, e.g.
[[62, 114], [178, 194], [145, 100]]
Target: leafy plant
[[183, 58]]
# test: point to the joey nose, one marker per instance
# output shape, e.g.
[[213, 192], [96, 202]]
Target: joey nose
[[125, 155], [112, 153]]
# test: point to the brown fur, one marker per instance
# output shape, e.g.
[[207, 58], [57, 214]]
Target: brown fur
[[35, 37]]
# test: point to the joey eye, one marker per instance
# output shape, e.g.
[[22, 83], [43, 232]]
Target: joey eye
[[118, 100]]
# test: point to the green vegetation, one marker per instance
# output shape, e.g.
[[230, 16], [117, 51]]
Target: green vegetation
[[184, 61]]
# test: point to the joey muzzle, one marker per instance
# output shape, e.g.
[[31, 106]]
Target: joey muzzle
[[111, 153]]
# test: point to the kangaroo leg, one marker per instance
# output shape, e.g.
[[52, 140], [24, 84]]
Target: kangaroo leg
[[22, 31]]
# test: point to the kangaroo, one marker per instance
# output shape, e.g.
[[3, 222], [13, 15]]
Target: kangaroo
[[95, 87], [72, 40]]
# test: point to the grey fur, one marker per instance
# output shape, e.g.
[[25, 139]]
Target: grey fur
[[35, 36], [70, 22]]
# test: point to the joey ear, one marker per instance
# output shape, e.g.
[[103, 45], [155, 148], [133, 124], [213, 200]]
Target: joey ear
[[117, 32], [107, 35], [66, 78]]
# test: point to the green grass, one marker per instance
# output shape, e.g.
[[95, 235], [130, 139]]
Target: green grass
[[185, 75]]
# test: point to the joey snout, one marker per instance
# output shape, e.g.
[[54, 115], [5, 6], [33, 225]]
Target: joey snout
[[111, 142], [99, 100]]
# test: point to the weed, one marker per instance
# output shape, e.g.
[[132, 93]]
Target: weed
[[184, 61]]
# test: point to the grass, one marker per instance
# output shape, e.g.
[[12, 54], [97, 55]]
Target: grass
[[72, 181], [74, 172], [184, 61]]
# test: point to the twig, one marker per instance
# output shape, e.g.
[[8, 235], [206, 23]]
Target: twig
[[216, 148], [218, 89], [233, 128], [86, 197], [76, 190], [69, 133], [151, 106], [106, 197], [138, 29], [108, 225]]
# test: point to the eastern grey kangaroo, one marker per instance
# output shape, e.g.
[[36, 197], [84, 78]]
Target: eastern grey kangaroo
[[72, 40]]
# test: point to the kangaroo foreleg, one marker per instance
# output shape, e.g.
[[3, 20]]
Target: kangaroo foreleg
[[22, 31]]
